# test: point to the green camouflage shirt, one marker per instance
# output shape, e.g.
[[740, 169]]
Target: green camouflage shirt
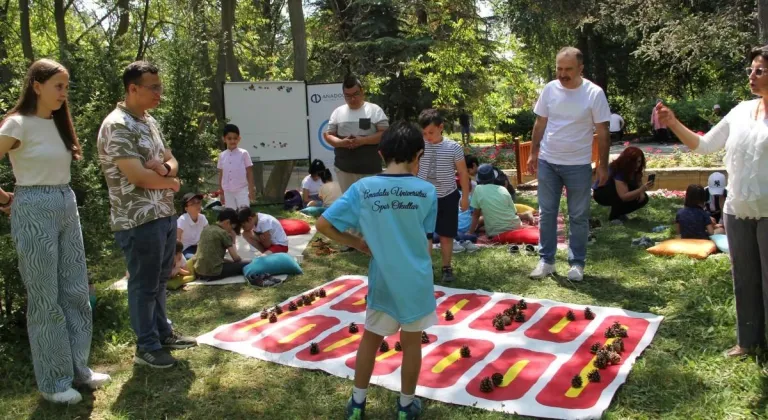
[[209, 258], [124, 135]]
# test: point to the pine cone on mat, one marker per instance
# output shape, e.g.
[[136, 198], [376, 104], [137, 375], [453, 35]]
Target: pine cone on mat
[[398, 346], [424, 338], [497, 379], [384, 347], [522, 304], [314, 348], [465, 352], [264, 314], [486, 385], [595, 347], [322, 293], [588, 314], [272, 318], [520, 317], [594, 376], [448, 316], [278, 310], [353, 328], [292, 306], [577, 382], [570, 316]]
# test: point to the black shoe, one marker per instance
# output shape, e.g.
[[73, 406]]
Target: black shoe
[[158, 359], [178, 342], [448, 276]]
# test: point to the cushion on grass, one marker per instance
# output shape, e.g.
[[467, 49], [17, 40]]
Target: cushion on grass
[[273, 264], [526, 235], [313, 211], [522, 208], [694, 248], [721, 242], [294, 227]]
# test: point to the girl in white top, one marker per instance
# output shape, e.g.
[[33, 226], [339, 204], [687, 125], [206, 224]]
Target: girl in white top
[[191, 224], [744, 135], [40, 140], [311, 184], [330, 191]]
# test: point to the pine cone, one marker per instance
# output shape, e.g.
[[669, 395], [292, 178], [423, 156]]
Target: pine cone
[[507, 320], [272, 318], [522, 304], [322, 293], [601, 362], [264, 314], [520, 317], [497, 379], [577, 382], [424, 338], [465, 352], [486, 385], [570, 316], [314, 348], [384, 347], [292, 306], [610, 333], [498, 317], [499, 325], [510, 312], [588, 314], [614, 358], [595, 347], [300, 302], [312, 294], [594, 376], [622, 332], [353, 328], [398, 346], [307, 300], [448, 316], [278, 310], [616, 326]]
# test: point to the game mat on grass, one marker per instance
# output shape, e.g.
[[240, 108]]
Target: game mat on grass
[[536, 356]]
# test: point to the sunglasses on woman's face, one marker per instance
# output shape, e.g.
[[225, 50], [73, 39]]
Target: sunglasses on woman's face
[[759, 71]]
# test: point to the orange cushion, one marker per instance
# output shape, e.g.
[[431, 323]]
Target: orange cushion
[[526, 235], [295, 226], [694, 248]]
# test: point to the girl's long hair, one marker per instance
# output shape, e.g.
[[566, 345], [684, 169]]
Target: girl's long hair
[[626, 164], [41, 71]]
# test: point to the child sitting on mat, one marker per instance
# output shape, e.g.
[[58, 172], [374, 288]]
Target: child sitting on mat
[[263, 232], [692, 221], [330, 191], [400, 279], [215, 241], [494, 204], [181, 273]]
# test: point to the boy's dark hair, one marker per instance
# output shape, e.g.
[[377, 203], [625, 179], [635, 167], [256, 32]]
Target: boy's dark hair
[[695, 196], [401, 143], [430, 116], [317, 167], [351, 81], [231, 128], [326, 176], [132, 74], [244, 214], [179, 247], [228, 214], [471, 161]]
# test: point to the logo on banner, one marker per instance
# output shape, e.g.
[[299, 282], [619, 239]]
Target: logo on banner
[[320, 137], [315, 98]]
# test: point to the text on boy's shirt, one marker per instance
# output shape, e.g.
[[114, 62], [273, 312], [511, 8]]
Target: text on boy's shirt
[[396, 191]]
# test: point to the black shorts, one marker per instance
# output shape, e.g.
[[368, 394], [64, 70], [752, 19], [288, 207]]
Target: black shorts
[[448, 215]]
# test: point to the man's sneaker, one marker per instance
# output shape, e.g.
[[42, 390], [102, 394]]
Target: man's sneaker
[[69, 396], [576, 273], [96, 381], [178, 342], [448, 276], [469, 246], [457, 248], [355, 411], [158, 359], [409, 412], [542, 270]]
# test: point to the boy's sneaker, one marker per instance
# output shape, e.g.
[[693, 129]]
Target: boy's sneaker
[[96, 381], [576, 273], [69, 396], [457, 248], [448, 276], [178, 341], [158, 359], [355, 411], [469, 246], [410, 412], [542, 270]]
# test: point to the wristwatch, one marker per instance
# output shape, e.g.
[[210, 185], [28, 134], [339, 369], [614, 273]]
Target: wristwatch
[[168, 167]]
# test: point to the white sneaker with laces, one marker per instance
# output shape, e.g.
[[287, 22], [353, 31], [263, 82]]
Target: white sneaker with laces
[[69, 396], [576, 273], [469, 246], [542, 270], [97, 380], [457, 248]]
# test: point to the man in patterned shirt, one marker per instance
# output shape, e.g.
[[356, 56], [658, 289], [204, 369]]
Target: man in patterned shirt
[[140, 171]]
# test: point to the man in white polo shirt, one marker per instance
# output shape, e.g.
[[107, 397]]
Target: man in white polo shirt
[[569, 111]]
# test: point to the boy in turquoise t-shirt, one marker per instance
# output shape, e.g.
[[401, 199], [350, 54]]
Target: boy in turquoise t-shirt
[[394, 210]]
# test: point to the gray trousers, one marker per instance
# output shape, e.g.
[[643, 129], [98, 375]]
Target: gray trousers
[[748, 245]]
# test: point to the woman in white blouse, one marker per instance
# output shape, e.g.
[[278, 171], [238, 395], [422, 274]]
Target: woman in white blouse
[[744, 135], [41, 142]]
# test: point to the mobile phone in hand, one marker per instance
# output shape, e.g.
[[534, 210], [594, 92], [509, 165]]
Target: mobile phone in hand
[[652, 178]]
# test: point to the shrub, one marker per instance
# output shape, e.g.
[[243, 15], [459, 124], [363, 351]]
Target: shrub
[[681, 159]]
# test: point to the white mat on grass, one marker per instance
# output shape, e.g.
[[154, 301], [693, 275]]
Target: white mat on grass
[[537, 357], [296, 246]]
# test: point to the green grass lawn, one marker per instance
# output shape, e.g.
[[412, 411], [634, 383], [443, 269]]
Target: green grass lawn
[[681, 375]]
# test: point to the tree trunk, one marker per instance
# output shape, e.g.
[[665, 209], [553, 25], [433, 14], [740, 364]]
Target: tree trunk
[[6, 74], [281, 172], [762, 21], [227, 26], [123, 7], [59, 15], [142, 31], [26, 34]]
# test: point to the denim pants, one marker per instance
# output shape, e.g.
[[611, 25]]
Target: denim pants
[[45, 227], [149, 250], [577, 180]]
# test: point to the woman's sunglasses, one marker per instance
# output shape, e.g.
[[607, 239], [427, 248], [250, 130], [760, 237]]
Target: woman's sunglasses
[[759, 71]]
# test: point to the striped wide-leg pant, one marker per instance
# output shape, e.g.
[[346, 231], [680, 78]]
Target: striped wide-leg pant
[[45, 226]]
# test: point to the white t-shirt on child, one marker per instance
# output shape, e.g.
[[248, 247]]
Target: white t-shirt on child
[[310, 184], [330, 192], [269, 224], [191, 230]]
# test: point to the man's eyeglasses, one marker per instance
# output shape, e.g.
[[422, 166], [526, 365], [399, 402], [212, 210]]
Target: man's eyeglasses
[[759, 71], [154, 88], [352, 96]]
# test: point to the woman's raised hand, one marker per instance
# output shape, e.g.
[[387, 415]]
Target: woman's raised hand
[[665, 114]]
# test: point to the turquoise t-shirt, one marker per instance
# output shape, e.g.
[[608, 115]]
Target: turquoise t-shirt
[[497, 207], [465, 217], [394, 213]]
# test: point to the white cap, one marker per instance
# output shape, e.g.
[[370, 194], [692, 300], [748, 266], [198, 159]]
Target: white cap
[[716, 183], [717, 106]]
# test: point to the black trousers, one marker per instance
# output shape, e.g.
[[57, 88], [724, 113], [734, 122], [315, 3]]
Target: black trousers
[[229, 269], [608, 197]]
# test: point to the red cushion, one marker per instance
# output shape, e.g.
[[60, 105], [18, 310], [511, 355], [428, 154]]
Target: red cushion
[[526, 235], [295, 226]]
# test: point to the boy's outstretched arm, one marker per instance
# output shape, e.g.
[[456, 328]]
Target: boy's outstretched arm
[[461, 168], [326, 228]]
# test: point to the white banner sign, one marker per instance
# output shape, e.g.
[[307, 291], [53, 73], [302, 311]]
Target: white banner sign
[[322, 100]]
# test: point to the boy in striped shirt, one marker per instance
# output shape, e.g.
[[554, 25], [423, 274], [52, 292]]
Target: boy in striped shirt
[[442, 159]]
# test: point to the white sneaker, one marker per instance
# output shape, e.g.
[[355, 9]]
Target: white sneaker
[[469, 246], [69, 396], [542, 270], [457, 248], [97, 380], [576, 273]]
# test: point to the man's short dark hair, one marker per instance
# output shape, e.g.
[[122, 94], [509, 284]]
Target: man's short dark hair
[[352, 81], [401, 143], [132, 74], [572, 51], [231, 128], [430, 116], [471, 161]]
